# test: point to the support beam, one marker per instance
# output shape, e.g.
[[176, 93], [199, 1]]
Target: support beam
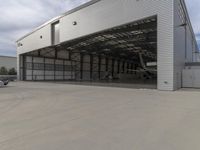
[[132, 67], [113, 67], [44, 60], [72, 70], [32, 71], [118, 66], [123, 67], [136, 66], [127, 68], [56, 53], [39, 52], [48, 57], [107, 63], [125, 37], [99, 69], [54, 69], [70, 55], [24, 68], [81, 66], [91, 66], [63, 70]]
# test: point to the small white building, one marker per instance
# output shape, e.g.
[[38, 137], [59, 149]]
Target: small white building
[[108, 38], [8, 62]]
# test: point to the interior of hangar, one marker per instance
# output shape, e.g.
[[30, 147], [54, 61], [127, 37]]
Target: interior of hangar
[[123, 54]]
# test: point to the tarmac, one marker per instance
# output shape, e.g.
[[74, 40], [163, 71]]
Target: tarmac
[[55, 116]]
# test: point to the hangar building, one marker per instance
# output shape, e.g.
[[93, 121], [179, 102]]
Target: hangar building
[[124, 41]]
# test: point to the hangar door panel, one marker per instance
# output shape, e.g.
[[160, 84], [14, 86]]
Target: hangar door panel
[[39, 69]]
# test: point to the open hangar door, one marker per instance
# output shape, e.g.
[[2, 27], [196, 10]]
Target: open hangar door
[[123, 54]]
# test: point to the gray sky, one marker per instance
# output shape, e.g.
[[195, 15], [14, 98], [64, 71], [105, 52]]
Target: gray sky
[[19, 17]]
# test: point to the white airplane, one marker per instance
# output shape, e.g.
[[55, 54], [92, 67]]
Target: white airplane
[[149, 69]]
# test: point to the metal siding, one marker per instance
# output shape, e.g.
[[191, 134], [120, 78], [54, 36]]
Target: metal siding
[[189, 46], [191, 78], [109, 13], [180, 55], [179, 46], [34, 42], [105, 14]]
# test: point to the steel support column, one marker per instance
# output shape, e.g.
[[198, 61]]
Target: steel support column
[[99, 69], [118, 67], [91, 66], [127, 67], [123, 67], [44, 68], [56, 56], [81, 66], [24, 67], [132, 67], [63, 69], [54, 64], [113, 67], [32, 71], [106, 63]]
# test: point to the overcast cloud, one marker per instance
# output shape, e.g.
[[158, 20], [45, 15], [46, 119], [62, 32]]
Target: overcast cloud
[[19, 17]]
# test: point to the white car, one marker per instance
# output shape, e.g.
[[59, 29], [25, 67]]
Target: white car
[[3, 83]]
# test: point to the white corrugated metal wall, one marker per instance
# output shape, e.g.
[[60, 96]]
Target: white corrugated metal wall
[[107, 14], [184, 41]]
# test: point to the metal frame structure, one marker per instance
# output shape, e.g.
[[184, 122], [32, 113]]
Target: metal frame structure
[[115, 39], [120, 44]]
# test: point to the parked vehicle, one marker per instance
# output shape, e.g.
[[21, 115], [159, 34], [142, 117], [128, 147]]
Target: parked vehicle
[[3, 82]]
